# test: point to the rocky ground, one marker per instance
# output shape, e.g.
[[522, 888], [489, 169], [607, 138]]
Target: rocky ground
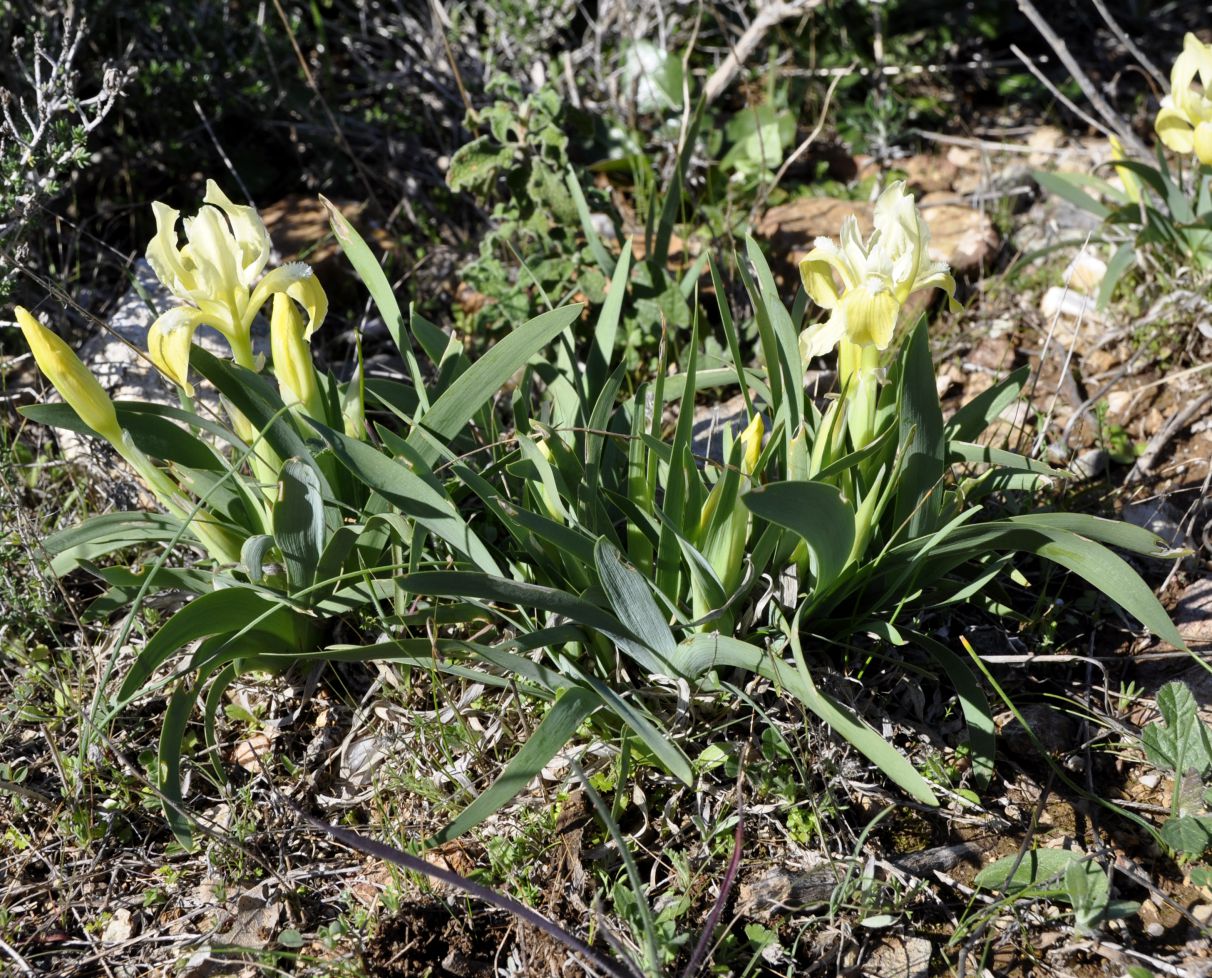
[[1121, 397]]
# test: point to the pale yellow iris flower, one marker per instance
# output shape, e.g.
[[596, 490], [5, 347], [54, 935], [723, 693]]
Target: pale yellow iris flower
[[218, 271], [1184, 123], [877, 276]]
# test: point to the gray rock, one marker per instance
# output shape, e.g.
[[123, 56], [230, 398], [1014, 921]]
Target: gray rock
[[710, 423], [897, 957], [1091, 463], [1160, 517]]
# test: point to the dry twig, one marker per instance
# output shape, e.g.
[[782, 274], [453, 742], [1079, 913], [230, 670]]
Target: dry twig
[[1101, 106], [769, 15]]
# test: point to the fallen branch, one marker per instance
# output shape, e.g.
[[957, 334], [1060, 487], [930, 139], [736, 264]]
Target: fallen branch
[[1101, 106], [1157, 444], [768, 17]]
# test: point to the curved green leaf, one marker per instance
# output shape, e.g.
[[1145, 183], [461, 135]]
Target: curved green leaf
[[631, 598], [298, 521], [413, 495], [481, 382], [702, 653], [221, 612], [815, 511], [554, 731]]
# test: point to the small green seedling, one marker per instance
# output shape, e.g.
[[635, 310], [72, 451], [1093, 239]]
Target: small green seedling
[[1059, 874], [1181, 743]]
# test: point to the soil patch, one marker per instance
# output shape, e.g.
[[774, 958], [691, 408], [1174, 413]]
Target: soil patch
[[428, 940]]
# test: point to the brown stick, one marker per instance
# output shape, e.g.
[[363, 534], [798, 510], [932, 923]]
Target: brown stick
[[1101, 106], [1127, 42], [1156, 445], [768, 16]]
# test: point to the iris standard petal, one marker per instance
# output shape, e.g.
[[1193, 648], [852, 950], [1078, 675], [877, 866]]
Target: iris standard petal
[[168, 342], [854, 252], [896, 218], [1185, 67], [214, 251], [74, 381], [248, 230], [1196, 59], [165, 257]]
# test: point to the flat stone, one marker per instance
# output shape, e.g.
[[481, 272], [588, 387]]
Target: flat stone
[[120, 928], [1046, 141], [927, 173], [710, 423], [797, 223], [1086, 273], [1060, 302], [1091, 463], [253, 921], [962, 236], [896, 957], [1193, 613], [1160, 517], [782, 888]]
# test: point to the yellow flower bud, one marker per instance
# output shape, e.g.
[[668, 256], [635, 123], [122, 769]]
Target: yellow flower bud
[[292, 358], [74, 381], [751, 444], [1129, 179]]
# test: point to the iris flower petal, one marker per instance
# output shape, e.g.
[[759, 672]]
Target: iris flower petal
[[821, 338], [298, 281], [1175, 130], [248, 231], [869, 316], [816, 272], [168, 342]]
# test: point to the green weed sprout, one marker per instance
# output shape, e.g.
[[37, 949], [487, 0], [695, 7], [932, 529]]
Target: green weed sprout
[[1179, 742]]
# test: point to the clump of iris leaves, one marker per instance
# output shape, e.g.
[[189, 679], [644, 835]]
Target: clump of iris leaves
[[625, 577]]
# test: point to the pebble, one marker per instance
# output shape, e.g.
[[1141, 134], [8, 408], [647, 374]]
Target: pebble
[[1091, 463]]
